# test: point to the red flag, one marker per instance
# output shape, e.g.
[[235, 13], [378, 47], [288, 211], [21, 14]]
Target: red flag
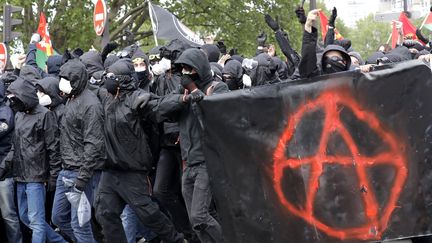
[[409, 30], [395, 35], [45, 43], [324, 27], [427, 23]]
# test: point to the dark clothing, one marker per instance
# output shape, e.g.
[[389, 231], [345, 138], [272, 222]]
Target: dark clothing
[[92, 61], [112, 198], [50, 86], [7, 125], [36, 156], [31, 71], [53, 65], [81, 137], [197, 195], [266, 71], [234, 70], [293, 58]]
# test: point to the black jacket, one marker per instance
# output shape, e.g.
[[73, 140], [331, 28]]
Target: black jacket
[[36, 156], [173, 108], [92, 61], [81, 132], [293, 58], [7, 125], [125, 137]]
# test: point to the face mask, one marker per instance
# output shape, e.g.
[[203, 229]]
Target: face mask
[[140, 69], [16, 104], [65, 86], [44, 99], [142, 76], [332, 65], [111, 83]]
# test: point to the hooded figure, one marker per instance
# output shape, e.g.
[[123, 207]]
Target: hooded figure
[[35, 156], [356, 59], [266, 71], [110, 60], [128, 158], [198, 81], [232, 74], [81, 145], [53, 65], [333, 63], [31, 73], [282, 68], [212, 51], [141, 64], [7, 125], [92, 61], [217, 71], [50, 86]]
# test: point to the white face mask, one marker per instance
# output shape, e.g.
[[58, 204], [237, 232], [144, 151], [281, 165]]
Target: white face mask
[[44, 99], [65, 86], [140, 69]]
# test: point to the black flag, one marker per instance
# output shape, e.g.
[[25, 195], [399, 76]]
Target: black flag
[[167, 26], [339, 158]]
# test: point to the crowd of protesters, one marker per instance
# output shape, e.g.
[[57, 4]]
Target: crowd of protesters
[[123, 130]]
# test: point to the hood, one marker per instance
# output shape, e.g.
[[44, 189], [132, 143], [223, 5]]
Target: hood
[[212, 51], [30, 73], [50, 86], [265, 71], [339, 49], [358, 56], [2, 92], [92, 61], [345, 43], [233, 68], [25, 91], [403, 52], [110, 60], [140, 54], [174, 49], [76, 73], [217, 70], [124, 67], [198, 60], [238, 58], [53, 64]]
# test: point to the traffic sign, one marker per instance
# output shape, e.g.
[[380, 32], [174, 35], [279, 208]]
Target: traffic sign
[[99, 17]]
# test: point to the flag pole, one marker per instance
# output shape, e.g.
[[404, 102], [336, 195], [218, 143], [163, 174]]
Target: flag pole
[[424, 21], [152, 22]]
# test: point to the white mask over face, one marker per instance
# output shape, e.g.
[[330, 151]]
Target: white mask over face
[[44, 99], [65, 86], [140, 69]]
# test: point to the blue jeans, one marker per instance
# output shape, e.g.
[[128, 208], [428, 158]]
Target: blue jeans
[[9, 211], [31, 204], [133, 227], [65, 216]]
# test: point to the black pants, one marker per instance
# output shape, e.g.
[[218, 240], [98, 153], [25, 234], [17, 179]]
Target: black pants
[[197, 195], [167, 189], [116, 189]]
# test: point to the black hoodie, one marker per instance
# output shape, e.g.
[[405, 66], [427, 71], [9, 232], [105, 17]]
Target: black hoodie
[[50, 86], [234, 69], [35, 156], [53, 65], [81, 132], [93, 62], [7, 124], [125, 129], [172, 107]]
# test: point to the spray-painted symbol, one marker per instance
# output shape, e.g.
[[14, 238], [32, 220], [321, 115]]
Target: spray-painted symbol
[[376, 219]]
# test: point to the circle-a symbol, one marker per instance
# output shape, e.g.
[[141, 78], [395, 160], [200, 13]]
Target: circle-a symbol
[[99, 17], [328, 101]]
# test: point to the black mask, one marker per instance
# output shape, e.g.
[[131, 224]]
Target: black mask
[[142, 76], [17, 105], [333, 65], [111, 84], [231, 82], [194, 76]]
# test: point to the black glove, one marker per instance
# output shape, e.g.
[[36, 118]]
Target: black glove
[[186, 80], [77, 52], [333, 17], [141, 101], [233, 51], [274, 25], [196, 96], [222, 47], [79, 186], [300, 12], [107, 49], [66, 56], [261, 39]]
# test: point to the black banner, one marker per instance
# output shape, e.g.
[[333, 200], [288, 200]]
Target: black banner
[[340, 158]]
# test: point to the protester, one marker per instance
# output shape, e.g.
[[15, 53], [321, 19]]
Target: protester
[[82, 149], [124, 180], [35, 157]]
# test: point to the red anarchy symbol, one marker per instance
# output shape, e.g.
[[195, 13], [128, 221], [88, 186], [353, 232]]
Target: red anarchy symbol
[[328, 101]]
